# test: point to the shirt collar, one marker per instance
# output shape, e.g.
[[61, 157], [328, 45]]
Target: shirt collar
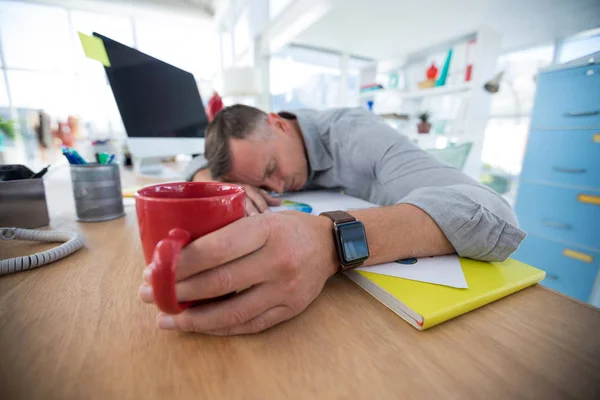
[[318, 155]]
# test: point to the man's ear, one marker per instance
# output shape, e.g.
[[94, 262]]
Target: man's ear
[[275, 121]]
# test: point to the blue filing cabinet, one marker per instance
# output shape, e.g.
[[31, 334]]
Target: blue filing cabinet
[[558, 202]]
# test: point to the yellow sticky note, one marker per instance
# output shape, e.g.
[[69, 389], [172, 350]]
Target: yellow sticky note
[[93, 47]]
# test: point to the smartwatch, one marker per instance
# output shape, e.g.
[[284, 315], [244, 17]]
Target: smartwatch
[[350, 239]]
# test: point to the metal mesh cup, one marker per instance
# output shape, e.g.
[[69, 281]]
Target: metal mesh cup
[[97, 192]]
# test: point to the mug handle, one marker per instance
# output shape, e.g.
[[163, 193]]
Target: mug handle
[[163, 267]]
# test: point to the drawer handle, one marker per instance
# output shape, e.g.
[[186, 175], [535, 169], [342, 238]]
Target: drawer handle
[[582, 114], [578, 255], [556, 224], [569, 170], [552, 277], [589, 199]]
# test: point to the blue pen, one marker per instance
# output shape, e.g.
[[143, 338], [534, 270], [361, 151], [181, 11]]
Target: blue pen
[[69, 156], [110, 160], [76, 155]]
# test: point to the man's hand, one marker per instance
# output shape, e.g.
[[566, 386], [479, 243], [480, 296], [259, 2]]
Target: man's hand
[[278, 263], [258, 200]]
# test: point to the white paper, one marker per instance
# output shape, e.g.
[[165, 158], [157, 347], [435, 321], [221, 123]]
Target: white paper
[[324, 200], [443, 270]]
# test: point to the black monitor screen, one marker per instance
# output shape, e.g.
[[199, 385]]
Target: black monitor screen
[[155, 99]]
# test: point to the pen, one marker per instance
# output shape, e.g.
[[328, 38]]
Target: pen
[[69, 156], [39, 174], [103, 157], [111, 159], [76, 155]]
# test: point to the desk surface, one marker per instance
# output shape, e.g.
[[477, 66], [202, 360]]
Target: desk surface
[[76, 329]]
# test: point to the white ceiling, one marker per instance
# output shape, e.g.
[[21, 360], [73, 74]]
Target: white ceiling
[[389, 28], [207, 6]]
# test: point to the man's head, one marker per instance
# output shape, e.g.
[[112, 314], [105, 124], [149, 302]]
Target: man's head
[[247, 145]]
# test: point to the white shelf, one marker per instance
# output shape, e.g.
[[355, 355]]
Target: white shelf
[[422, 93]]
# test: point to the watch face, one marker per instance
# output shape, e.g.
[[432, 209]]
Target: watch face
[[353, 242]]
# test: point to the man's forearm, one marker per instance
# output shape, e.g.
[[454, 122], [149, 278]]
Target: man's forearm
[[401, 231]]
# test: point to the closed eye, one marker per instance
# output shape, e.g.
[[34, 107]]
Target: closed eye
[[270, 170]]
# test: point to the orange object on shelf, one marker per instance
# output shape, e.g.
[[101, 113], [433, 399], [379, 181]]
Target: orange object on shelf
[[426, 84]]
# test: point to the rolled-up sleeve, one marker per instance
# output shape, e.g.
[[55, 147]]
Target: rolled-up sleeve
[[464, 213], [477, 221]]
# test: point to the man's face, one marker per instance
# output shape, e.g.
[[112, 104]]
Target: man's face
[[274, 161]]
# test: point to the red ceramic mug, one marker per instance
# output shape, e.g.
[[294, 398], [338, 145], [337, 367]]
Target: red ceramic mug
[[170, 216]]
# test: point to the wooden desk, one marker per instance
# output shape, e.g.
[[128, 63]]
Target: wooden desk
[[77, 330]]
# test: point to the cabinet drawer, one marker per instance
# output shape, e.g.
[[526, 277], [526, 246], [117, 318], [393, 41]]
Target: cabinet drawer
[[569, 157], [567, 99], [565, 214], [569, 270]]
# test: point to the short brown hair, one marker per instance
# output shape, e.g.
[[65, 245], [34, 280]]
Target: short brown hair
[[237, 121]]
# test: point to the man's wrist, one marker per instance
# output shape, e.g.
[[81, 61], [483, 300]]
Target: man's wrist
[[325, 227]]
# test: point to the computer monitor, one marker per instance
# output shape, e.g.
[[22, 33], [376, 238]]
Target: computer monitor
[[159, 104]]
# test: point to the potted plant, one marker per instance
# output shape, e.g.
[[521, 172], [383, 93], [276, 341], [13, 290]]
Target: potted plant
[[424, 126], [7, 128]]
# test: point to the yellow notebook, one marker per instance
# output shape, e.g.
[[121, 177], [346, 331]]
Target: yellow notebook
[[424, 305]]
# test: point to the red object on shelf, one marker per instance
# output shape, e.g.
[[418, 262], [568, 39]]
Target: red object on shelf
[[469, 73], [432, 71], [470, 55], [215, 104]]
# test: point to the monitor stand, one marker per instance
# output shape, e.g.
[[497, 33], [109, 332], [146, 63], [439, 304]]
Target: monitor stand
[[153, 167]]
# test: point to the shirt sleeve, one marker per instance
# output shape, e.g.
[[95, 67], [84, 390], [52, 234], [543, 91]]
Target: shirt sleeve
[[196, 164], [477, 221]]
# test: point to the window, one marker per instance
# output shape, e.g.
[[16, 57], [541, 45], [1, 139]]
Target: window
[[42, 90], [47, 47], [517, 87], [241, 35], [188, 43], [507, 129], [580, 46], [226, 49], [3, 91], [354, 66], [304, 78]]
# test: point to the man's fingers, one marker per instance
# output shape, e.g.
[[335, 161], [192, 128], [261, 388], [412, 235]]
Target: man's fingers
[[264, 321], [145, 293], [236, 275], [271, 200], [236, 311], [229, 243], [251, 208], [256, 198]]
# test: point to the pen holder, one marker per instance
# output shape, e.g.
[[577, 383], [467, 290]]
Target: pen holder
[[22, 198], [97, 192]]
